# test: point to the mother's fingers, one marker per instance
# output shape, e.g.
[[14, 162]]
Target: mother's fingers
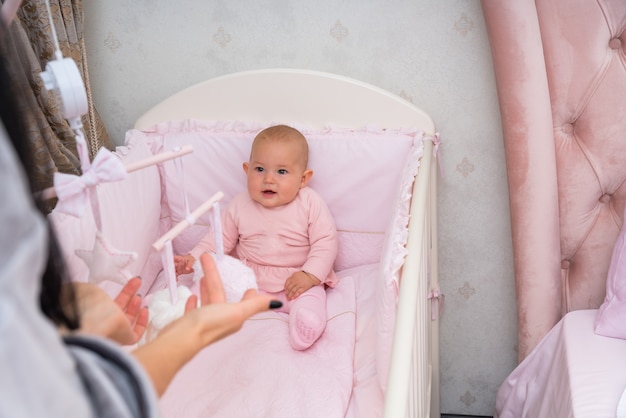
[[191, 304], [211, 286], [141, 322], [128, 293], [212, 291], [250, 293], [132, 308], [252, 303]]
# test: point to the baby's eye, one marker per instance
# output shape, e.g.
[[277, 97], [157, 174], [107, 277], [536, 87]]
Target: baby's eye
[[259, 169], [282, 171]]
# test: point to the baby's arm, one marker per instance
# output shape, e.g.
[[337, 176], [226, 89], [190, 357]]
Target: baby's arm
[[184, 263], [298, 283], [323, 241]]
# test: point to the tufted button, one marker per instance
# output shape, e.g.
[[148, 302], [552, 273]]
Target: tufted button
[[605, 198], [615, 43], [568, 128], [565, 264]]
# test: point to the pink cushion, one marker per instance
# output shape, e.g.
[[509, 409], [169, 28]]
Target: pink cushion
[[352, 172], [611, 316]]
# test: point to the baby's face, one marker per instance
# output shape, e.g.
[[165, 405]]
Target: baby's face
[[275, 173]]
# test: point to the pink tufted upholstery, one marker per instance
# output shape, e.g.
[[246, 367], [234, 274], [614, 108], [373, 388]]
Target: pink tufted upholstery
[[561, 79]]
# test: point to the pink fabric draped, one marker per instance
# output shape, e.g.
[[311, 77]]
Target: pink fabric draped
[[513, 30], [561, 81]]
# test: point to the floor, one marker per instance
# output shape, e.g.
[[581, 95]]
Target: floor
[[462, 416]]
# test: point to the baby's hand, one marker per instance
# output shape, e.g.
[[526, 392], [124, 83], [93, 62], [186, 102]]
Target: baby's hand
[[184, 264], [298, 283]]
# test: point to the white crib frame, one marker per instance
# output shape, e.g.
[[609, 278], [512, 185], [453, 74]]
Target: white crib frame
[[318, 99]]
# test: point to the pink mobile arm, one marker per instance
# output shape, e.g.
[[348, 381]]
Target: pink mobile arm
[[50, 193]]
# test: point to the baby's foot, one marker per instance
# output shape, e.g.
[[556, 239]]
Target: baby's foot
[[305, 328]]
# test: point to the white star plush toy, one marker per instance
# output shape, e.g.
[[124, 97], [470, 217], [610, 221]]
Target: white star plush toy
[[105, 262]]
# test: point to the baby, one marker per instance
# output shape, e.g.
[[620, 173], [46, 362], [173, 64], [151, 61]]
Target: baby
[[283, 230]]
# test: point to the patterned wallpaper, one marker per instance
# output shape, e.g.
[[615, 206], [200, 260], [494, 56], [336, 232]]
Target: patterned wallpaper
[[433, 53]]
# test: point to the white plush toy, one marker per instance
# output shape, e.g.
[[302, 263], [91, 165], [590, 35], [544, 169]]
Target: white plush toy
[[236, 278], [161, 311]]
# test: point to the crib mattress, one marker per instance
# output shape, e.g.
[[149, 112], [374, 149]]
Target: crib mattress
[[571, 373], [203, 394]]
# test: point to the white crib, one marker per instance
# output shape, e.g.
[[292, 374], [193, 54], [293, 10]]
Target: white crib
[[318, 100]]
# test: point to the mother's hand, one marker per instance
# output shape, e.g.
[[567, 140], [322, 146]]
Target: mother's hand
[[219, 318], [199, 327], [122, 319]]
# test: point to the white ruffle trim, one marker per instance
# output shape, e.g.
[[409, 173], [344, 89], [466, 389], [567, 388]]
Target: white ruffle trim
[[394, 251]]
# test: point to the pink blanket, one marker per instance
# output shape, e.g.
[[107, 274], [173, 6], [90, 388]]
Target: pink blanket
[[572, 372], [256, 373]]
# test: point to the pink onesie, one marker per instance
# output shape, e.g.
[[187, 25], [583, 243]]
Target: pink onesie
[[275, 243]]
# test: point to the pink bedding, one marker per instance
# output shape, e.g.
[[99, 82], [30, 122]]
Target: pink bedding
[[572, 372], [229, 379], [342, 376]]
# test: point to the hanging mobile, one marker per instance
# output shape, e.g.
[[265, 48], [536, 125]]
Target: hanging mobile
[[74, 193], [169, 304]]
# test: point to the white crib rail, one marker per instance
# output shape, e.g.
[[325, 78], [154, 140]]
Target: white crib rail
[[413, 384]]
